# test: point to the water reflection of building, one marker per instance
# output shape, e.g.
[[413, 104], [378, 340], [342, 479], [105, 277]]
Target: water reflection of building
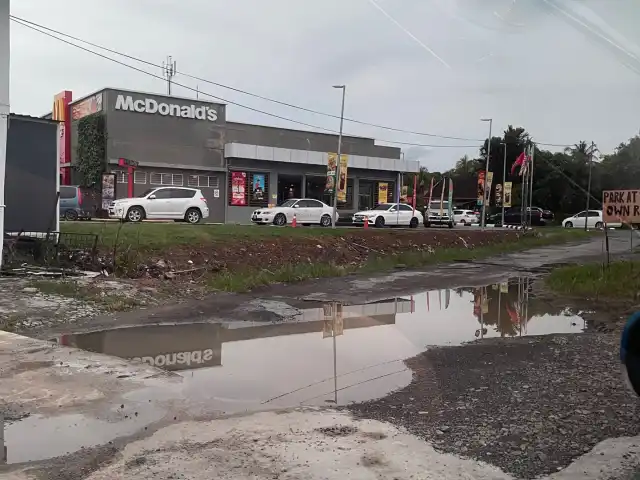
[[192, 346]]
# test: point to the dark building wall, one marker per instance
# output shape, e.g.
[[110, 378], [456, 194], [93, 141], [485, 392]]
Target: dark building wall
[[152, 137], [208, 182], [31, 175], [301, 140]]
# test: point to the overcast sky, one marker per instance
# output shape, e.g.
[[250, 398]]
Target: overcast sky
[[566, 70]]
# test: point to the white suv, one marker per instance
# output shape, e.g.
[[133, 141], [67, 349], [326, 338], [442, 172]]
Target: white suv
[[169, 203]]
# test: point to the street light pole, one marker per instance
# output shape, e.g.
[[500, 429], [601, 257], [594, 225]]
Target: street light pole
[[504, 178], [335, 186], [486, 173]]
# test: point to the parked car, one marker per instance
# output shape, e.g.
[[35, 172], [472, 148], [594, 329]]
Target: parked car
[[75, 203], [438, 213], [594, 220], [168, 203], [513, 216], [394, 214], [465, 217], [546, 214], [308, 211]]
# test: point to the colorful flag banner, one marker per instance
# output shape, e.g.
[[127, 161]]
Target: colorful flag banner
[[383, 192], [430, 193], [498, 195], [342, 182], [332, 165], [507, 193], [450, 197], [481, 178], [489, 183], [404, 193]]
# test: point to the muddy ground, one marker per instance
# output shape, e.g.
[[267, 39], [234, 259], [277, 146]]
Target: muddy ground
[[529, 406]]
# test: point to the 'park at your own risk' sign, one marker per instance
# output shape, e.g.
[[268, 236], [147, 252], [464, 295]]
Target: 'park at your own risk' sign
[[621, 206]]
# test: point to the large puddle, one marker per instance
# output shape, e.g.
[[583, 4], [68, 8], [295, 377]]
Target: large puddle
[[332, 354]]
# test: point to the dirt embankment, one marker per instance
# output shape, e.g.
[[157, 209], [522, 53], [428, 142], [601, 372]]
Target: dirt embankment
[[352, 248]]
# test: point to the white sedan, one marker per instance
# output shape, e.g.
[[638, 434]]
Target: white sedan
[[389, 214], [593, 219], [306, 210], [465, 217]]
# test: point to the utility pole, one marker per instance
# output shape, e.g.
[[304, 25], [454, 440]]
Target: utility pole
[[586, 213], [4, 111], [336, 183], [486, 174], [169, 71], [504, 178]]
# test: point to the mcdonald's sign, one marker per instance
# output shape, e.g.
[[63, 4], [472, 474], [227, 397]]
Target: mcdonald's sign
[[61, 113]]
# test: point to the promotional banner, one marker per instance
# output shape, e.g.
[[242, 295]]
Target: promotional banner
[[430, 193], [332, 165], [86, 107], [383, 191], [415, 192], [238, 188], [108, 189], [450, 197], [489, 183], [504, 287], [257, 187], [507, 193], [498, 195], [444, 184], [404, 193], [481, 188], [342, 184]]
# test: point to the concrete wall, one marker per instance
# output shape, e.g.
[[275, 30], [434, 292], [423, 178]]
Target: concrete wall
[[32, 175], [301, 140]]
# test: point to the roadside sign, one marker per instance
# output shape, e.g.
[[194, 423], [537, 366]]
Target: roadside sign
[[621, 206]]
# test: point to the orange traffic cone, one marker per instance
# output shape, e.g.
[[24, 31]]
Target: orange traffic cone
[[366, 222], [294, 222]]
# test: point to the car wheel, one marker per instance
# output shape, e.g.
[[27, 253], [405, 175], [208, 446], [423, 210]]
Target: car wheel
[[427, 224], [135, 215], [193, 216], [599, 225], [414, 222], [325, 221], [71, 215], [450, 224], [379, 223], [464, 223], [280, 220], [568, 225]]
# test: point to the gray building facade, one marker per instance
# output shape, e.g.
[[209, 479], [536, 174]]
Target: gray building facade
[[189, 142]]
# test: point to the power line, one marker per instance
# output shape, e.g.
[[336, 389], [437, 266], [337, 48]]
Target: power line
[[244, 92], [20, 22]]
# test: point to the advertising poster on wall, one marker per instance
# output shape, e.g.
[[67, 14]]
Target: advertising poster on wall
[[258, 187], [108, 189], [481, 188], [332, 165], [86, 107], [507, 193], [342, 183], [383, 191], [238, 188], [404, 193], [498, 195]]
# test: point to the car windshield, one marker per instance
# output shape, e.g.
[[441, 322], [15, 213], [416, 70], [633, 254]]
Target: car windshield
[[288, 203], [146, 192], [384, 206], [436, 205]]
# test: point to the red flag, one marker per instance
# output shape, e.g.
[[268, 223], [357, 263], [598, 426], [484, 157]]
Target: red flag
[[519, 161]]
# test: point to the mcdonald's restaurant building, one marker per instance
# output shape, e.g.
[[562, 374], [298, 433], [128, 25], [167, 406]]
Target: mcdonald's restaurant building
[[186, 142]]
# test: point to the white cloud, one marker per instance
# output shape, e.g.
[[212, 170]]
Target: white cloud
[[560, 81]]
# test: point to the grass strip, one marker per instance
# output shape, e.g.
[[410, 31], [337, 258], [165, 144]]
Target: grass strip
[[250, 278], [619, 280]]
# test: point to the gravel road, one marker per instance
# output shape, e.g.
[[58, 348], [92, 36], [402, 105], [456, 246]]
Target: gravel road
[[529, 406]]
